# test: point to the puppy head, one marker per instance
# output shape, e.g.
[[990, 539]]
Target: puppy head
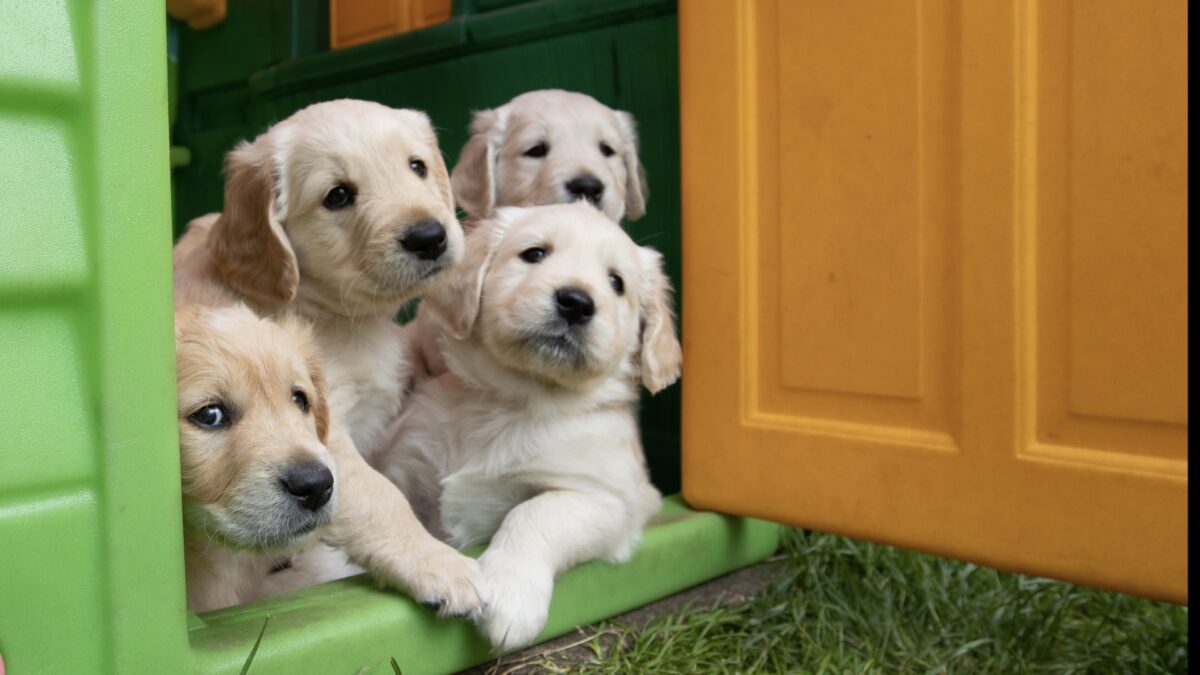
[[253, 422], [551, 147], [353, 196], [563, 295]]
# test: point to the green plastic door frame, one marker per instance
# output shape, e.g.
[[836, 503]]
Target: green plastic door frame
[[90, 561]]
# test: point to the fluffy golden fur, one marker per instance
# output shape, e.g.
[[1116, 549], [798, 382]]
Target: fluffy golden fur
[[580, 137], [261, 383], [530, 438], [318, 213]]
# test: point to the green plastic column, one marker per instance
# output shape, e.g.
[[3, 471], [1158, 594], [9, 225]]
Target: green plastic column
[[90, 559]]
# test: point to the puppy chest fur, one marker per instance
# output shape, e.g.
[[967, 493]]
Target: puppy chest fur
[[471, 458], [367, 366]]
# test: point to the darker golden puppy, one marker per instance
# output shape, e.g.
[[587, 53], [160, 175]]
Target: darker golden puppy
[[258, 480]]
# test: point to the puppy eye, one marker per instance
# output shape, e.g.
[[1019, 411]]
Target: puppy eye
[[418, 167], [617, 283], [539, 150], [339, 198], [301, 400], [533, 255], [211, 417], [606, 149]]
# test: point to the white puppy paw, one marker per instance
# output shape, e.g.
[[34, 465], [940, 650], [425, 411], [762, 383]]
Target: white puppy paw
[[516, 602], [443, 579]]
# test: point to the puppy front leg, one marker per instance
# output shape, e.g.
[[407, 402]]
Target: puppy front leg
[[374, 524], [538, 539]]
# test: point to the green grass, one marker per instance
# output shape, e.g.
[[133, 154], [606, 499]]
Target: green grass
[[254, 650], [849, 607]]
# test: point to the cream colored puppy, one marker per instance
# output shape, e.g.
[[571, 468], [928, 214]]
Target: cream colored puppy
[[551, 147], [342, 213], [531, 437], [258, 481]]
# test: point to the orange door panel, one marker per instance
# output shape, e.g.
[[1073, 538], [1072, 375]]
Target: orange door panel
[[353, 22], [935, 260]]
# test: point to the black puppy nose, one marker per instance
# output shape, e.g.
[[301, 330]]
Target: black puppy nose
[[587, 187], [574, 305], [310, 483], [425, 239]]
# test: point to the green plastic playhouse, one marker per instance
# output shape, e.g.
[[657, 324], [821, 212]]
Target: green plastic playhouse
[[92, 149]]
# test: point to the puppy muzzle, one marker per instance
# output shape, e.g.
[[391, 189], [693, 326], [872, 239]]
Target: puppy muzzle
[[559, 344]]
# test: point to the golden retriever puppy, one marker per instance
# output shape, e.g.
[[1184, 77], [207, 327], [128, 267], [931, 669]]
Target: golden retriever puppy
[[258, 481], [341, 213], [551, 147], [531, 437]]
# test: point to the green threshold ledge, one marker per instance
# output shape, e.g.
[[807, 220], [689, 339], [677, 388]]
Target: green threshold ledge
[[351, 627]]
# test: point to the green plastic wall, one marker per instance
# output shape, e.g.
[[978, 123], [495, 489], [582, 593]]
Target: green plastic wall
[[89, 473], [267, 60]]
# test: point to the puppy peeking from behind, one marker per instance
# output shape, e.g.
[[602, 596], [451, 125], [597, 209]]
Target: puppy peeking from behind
[[530, 438], [551, 147], [258, 480]]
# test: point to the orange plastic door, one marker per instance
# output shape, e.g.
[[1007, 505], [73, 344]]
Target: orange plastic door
[[935, 272], [353, 22]]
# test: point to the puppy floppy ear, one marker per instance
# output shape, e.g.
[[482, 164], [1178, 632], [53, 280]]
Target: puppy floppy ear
[[456, 300], [247, 242], [661, 356], [474, 176], [441, 177], [636, 189], [318, 401]]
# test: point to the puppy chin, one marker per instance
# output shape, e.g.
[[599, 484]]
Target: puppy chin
[[553, 352], [561, 350], [598, 204], [264, 529], [404, 275]]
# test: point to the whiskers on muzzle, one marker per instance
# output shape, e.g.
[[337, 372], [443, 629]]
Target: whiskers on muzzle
[[558, 346], [409, 274], [596, 202], [277, 526]]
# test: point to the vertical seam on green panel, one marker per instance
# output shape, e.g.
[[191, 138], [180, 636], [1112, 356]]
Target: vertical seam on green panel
[[84, 173]]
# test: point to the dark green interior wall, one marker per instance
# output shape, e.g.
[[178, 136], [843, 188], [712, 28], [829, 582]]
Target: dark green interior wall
[[268, 59]]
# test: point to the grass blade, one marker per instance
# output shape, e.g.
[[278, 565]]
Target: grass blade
[[254, 650]]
